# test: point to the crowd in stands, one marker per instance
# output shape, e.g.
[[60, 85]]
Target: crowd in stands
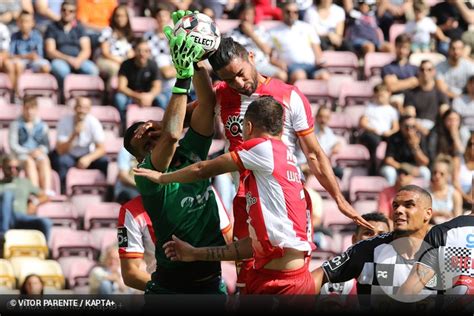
[[414, 126]]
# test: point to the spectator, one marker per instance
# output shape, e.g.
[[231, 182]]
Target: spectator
[[452, 74], [68, 46], [180, 4], [379, 122], [464, 104], [138, 81], [422, 28], [465, 173], [255, 39], [298, 45], [161, 53], [303, 6], [407, 149], [447, 201], [10, 11], [328, 20], [95, 16], [46, 11], [391, 11], [107, 278], [448, 136], [4, 45], [426, 98], [29, 142], [32, 285], [26, 199], [400, 75], [125, 188], [265, 8], [115, 43], [386, 196], [26, 50], [362, 30], [453, 17], [80, 142]]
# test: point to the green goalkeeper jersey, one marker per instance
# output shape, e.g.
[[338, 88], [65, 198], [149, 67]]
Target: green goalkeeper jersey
[[188, 211]]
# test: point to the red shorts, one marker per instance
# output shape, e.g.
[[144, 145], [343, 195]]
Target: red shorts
[[287, 282], [241, 231]]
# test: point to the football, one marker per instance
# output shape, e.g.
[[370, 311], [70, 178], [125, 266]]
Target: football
[[202, 29]]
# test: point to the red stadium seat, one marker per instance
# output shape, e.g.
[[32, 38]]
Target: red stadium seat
[[5, 86], [108, 116], [227, 25], [101, 215], [340, 124], [112, 173], [60, 213], [141, 24], [314, 184], [365, 206], [353, 155], [8, 113], [338, 62], [76, 269], [395, 30], [51, 113], [366, 187], [333, 218], [81, 201], [101, 238], [317, 91], [70, 242], [136, 114], [113, 144], [335, 83], [373, 63], [355, 93], [84, 85], [38, 84], [85, 181]]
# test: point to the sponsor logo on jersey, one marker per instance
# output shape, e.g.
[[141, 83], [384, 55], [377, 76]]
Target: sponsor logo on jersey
[[250, 201], [470, 241], [234, 125], [122, 237]]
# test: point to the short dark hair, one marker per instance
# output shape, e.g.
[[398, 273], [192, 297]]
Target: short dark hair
[[425, 61], [30, 100], [403, 118], [266, 113], [68, 2], [414, 188], [380, 87], [402, 39], [127, 138], [139, 41], [374, 217], [24, 12], [227, 51], [454, 41]]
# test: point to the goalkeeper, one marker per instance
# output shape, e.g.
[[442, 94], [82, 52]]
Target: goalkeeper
[[186, 210]]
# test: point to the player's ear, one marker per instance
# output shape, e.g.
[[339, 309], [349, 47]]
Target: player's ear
[[428, 214], [251, 57], [353, 238]]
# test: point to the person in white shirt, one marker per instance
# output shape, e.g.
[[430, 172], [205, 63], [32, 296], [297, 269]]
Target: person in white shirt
[[379, 121], [464, 104], [298, 45], [80, 142]]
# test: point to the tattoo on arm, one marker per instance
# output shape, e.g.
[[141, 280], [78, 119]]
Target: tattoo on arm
[[217, 253], [424, 273]]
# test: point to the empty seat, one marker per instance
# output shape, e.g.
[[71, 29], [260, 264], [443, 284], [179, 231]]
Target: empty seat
[[366, 187], [113, 144], [355, 93], [365, 206], [18, 262], [49, 271], [352, 155], [269, 24], [112, 173], [101, 238], [395, 30], [8, 113], [136, 114], [317, 91], [70, 242], [84, 85], [76, 270], [227, 25], [108, 116], [60, 213], [353, 114], [340, 124], [82, 200], [85, 181], [25, 242], [333, 218], [338, 62], [51, 113], [435, 58], [373, 63], [141, 25], [30, 83], [7, 277], [5, 86], [101, 215], [314, 184]]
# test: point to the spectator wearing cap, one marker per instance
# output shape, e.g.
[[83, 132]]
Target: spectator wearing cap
[[406, 147], [68, 46], [385, 198]]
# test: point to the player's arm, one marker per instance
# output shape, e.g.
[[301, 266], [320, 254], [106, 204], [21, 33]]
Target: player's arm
[[203, 87], [419, 276], [202, 119], [178, 250], [132, 275], [195, 172]]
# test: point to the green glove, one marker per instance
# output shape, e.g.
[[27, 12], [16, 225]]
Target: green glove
[[178, 15]]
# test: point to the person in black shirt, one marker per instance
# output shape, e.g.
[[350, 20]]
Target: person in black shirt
[[382, 264], [138, 80], [406, 147]]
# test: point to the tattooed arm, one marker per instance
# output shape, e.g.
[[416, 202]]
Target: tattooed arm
[[419, 276], [178, 250]]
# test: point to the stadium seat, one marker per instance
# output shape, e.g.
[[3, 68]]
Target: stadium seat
[[395, 30], [17, 263], [435, 58], [51, 113], [340, 125], [346, 242], [60, 213], [313, 183], [269, 24], [136, 114], [112, 173], [7, 277], [141, 24], [217, 146], [85, 181], [317, 91], [227, 25], [84, 85], [335, 83], [5, 86], [365, 206], [101, 238], [113, 144], [101, 215], [352, 155], [366, 187], [81, 201], [353, 114], [8, 113], [25, 242], [380, 152], [339, 62], [49, 271], [56, 183], [108, 116], [30, 83], [76, 270], [355, 93], [333, 218], [70, 242], [229, 275], [373, 63], [4, 139]]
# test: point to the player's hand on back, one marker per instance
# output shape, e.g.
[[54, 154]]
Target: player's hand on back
[[351, 213], [178, 250], [153, 128], [151, 175]]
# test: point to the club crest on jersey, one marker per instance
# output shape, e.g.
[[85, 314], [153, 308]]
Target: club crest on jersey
[[250, 201], [234, 125]]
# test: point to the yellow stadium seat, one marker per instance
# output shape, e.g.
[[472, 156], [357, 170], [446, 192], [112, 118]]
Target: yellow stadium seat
[[25, 242], [49, 270], [7, 277]]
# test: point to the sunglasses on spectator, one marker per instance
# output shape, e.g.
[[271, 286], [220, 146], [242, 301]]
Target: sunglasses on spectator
[[291, 12], [12, 167], [68, 10], [409, 126], [426, 69]]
